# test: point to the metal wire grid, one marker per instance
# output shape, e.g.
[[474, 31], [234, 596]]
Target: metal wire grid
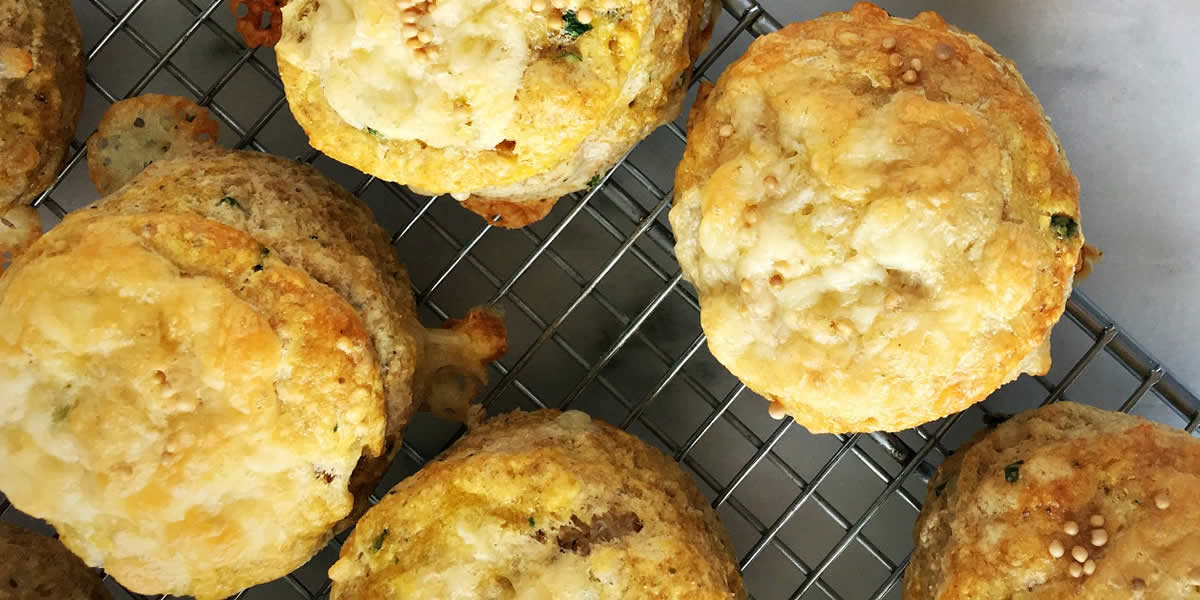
[[601, 320]]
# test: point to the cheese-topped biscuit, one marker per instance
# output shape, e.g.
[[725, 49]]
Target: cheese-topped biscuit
[[880, 223], [507, 104], [541, 506], [184, 407], [1066, 501]]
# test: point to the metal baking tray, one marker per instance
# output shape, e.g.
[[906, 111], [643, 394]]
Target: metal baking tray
[[600, 320]]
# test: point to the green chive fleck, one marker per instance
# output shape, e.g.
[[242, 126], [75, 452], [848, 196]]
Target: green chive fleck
[[374, 132], [531, 522], [595, 180], [1013, 472], [378, 543], [572, 27], [1063, 226]]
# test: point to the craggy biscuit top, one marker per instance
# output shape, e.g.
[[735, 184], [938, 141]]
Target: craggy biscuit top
[[313, 224], [878, 218], [538, 506], [184, 407], [1066, 501], [507, 99]]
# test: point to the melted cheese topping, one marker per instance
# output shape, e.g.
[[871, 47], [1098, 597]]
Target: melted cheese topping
[[461, 96], [827, 245]]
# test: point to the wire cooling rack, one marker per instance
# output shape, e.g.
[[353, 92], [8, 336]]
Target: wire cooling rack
[[600, 320]]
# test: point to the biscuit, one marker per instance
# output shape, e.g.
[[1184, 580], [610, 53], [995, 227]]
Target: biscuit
[[41, 94], [505, 105], [313, 224], [880, 224], [1066, 501], [541, 505], [183, 406], [36, 567]]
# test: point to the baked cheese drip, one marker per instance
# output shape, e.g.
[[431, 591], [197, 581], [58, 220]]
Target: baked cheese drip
[[41, 94], [873, 252]]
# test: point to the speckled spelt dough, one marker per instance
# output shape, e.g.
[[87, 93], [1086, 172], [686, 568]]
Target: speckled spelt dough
[[983, 536], [184, 407], [36, 567], [510, 110], [537, 506], [41, 94], [870, 253]]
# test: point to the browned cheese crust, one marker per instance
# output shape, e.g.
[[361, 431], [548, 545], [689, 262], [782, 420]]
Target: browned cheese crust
[[1066, 501], [541, 505], [36, 567], [259, 21], [578, 102], [509, 214], [880, 223]]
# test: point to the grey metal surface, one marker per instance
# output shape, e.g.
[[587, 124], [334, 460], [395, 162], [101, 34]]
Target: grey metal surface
[[600, 320]]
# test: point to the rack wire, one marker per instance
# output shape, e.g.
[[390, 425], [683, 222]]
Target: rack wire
[[601, 320]]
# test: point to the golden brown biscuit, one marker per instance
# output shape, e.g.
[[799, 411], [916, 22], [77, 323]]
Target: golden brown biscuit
[[315, 230], [880, 223], [541, 505], [184, 407], [507, 104], [316, 226], [36, 567], [1066, 501], [312, 224], [41, 94], [138, 131]]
